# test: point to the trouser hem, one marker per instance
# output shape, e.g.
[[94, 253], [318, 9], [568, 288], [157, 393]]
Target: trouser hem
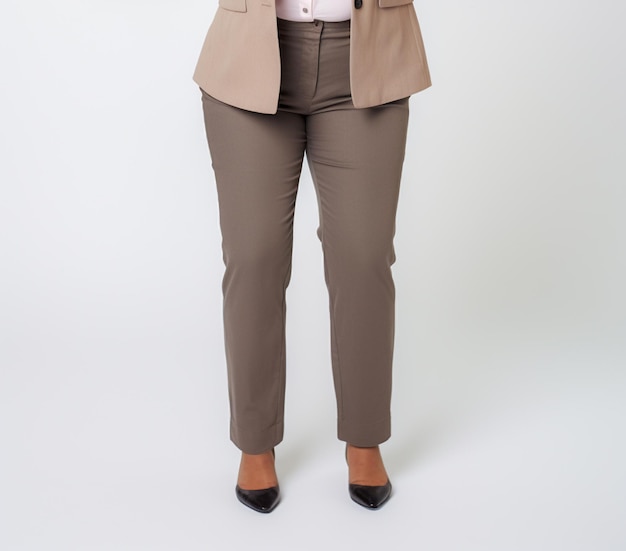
[[258, 441], [365, 436]]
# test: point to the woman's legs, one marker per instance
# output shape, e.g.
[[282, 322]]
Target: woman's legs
[[355, 157], [257, 160]]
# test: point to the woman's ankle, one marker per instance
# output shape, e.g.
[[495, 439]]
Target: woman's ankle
[[257, 471], [366, 466]]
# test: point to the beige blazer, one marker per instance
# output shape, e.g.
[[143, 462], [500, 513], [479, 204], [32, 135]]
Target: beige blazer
[[239, 63]]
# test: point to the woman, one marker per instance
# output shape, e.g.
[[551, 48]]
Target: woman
[[331, 78]]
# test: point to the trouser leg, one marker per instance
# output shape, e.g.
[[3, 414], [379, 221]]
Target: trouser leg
[[355, 157], [257, 160]]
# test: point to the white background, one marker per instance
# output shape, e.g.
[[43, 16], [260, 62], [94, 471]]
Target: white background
[[508, 411]]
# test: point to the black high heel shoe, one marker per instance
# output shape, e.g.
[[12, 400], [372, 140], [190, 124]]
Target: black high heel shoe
[[370, 497], [262, 501]]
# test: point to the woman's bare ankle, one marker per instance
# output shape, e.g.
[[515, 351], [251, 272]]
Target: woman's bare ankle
[[257, 471], [366, 466]]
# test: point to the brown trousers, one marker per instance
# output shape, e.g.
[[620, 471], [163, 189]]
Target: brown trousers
[[355, 157]]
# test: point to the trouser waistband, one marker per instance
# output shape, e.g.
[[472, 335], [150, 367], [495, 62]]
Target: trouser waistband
[[314, 25]]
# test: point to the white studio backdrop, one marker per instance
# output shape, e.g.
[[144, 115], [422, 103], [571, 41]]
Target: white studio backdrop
[[511, 307]]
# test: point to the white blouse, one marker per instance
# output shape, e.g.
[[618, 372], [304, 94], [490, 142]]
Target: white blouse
[[308, 10]]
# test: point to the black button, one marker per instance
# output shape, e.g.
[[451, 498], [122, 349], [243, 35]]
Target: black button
[[358, 3]]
